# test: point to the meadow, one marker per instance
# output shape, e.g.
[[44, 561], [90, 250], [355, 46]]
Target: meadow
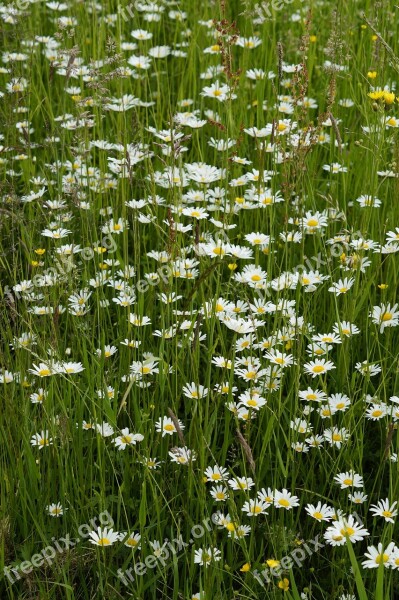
[[199, 222]]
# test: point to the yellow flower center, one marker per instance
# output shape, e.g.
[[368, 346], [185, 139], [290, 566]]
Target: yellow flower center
[[381, 558], [318, 515], [104, 541], [283, 502], [312, 223], [386, 316], [347, 531], [44, 372], [126, 439], [131, 542], [318, 369], [169, 427], [251, 375]]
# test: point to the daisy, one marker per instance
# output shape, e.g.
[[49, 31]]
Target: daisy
[[367, 201], [285, 500], [41, 439], [216, 90], [56, 234], [345, 329], [55, 510], [254, 508], [314, 441], [280, 358], [132, 541], [366, 368], [39, 396], [103, 537], [266, 496], [220, 493], [335, 168], [327, 338], [71, 367], [385, 316], [127, 439], [377, 556], [336, 437], [342, 286], [339, 402], [238, 531], [105, 429], [43, 370], [167, 426], [312, 221], [216, 473], [318, 367], [204, 557], [182, 456], [311, 395], [385, 509], [320, 512], [343, 529], [241, 483], [255, 402], [151, 463], [195, 391], [357, 497], [196, 213], [376, 411], [349, 479]]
